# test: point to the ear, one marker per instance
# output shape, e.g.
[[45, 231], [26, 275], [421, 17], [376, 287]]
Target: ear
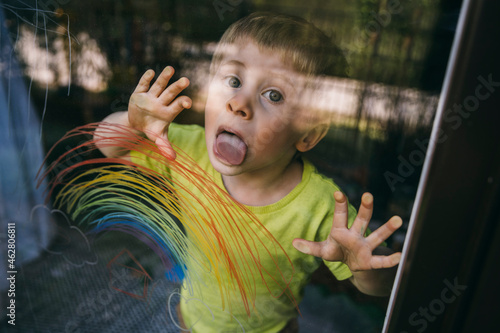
[[311, 138]]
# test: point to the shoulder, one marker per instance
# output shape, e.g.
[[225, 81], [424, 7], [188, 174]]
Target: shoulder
[[189, 139], [179, 134], [319, 186], [320, 189]]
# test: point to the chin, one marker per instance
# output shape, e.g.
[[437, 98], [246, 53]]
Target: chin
[[224, 169]]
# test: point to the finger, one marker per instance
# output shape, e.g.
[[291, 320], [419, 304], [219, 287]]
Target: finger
[[340, 213], [382, 233], [364, 214], [167, 114], [145, 81], [169, 94], [155, 129], [176, 107], [308, 247], [162, 81], [392, 260], [317, 249], [165, 147]]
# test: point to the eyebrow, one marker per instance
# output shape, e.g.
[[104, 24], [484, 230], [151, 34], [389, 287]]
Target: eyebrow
[[274, 75], [233, 62]]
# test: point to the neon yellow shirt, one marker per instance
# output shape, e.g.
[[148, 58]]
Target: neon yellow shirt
[[306, 212]]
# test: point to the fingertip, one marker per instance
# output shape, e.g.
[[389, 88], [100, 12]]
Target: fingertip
[[186, 105], [169, 154], [165, 149], [149, 74], [300, 246], [367, 198], [339, 196], [397, 222], [396, 258], [169, 70]]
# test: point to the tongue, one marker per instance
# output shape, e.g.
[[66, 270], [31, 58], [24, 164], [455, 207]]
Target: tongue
[[231, 148]]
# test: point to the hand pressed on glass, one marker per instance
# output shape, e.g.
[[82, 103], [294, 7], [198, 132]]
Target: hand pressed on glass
[[349, 245], [153, 107]]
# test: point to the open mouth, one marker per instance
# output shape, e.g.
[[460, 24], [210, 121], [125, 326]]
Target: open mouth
[[230, 147]]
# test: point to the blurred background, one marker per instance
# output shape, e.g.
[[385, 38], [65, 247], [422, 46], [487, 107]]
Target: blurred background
[[75, 62]]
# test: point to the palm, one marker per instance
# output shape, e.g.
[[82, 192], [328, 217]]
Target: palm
[[153, 107], [349, 245]]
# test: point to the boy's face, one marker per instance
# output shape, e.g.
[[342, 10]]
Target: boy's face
[[252, 113]]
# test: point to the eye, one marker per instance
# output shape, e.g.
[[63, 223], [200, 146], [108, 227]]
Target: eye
[[233, 82], [274, 96]]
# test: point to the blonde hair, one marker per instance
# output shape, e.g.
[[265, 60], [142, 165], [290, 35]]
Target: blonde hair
[[301, 44]]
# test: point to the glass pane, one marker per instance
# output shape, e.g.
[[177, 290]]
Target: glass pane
[[67, 63]]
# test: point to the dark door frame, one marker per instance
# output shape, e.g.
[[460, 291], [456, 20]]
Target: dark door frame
[[448, 277]]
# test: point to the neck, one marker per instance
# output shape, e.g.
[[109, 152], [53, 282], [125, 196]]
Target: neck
[[264, 187]]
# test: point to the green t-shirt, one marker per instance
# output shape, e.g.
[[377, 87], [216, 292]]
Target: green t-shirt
[[306, 212]]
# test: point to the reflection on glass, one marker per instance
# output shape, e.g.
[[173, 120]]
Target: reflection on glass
[[381, 116]]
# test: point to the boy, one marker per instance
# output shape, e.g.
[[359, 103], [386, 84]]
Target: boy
[[260, 115]]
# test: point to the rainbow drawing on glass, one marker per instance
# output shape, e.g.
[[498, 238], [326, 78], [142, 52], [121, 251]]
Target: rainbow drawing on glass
[[111, 194]]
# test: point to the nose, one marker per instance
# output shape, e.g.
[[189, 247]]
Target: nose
[[240, 105]]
